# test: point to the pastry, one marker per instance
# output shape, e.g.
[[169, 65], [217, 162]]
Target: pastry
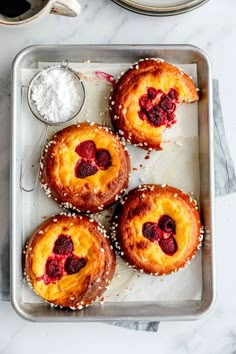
[[69, 261], [157, 229], [144, 101], [85, 167]]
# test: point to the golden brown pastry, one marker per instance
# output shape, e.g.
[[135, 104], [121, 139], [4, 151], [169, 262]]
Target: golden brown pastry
[[85, 167], [157, 229], [145, 98], [69, 261]]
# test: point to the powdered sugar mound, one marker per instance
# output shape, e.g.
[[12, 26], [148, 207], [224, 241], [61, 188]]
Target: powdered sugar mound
[[56, 95]]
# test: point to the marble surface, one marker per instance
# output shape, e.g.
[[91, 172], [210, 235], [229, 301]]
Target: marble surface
[[211, 27]]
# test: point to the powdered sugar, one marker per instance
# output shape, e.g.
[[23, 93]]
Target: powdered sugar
[[56, 95]]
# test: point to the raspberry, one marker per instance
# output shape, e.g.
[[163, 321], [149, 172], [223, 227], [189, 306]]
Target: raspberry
[[152, 93], [86, 149], [167, 224], [143, 101], [53, 268], [63, 245], [173, 94], [103, 159], [84, 169], [74, 264], [168, 246], [156, 116], [166, 104], [151, 231], [158, 113]]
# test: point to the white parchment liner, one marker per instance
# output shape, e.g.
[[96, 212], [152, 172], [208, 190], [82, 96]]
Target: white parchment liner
[[177, 165]]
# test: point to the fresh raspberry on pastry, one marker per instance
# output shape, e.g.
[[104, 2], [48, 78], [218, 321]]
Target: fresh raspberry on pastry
[[69, 261], [145, 98], [85, 167], [157, 229]]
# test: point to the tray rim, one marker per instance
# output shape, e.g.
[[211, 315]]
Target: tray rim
[[208, 305]]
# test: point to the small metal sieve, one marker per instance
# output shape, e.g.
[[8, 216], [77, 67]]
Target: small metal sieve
[[80, 87], [81, 93]]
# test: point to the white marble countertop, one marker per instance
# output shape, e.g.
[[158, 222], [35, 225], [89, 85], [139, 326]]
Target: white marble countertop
[[212, 28]]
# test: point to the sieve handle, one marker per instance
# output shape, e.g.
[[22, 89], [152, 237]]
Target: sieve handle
[[69, 8], [30, 172]]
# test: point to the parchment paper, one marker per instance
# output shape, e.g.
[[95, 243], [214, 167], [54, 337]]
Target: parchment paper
[[177, 165]]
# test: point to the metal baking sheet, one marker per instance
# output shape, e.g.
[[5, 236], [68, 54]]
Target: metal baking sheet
[[134, 307], [160, 7]]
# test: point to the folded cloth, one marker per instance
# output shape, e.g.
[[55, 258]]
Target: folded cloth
[[137, 325], [225, 183], [5, 271]]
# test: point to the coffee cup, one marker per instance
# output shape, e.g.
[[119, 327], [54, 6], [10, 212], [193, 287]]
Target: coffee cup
[[41, 8]]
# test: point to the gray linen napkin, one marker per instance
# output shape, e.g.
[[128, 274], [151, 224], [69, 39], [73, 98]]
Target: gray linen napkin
[[225, 183]]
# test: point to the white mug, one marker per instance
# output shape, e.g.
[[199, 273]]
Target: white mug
[[40, 8]]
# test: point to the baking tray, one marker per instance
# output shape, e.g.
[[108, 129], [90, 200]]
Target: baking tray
[[132, 310], [160, 7]]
